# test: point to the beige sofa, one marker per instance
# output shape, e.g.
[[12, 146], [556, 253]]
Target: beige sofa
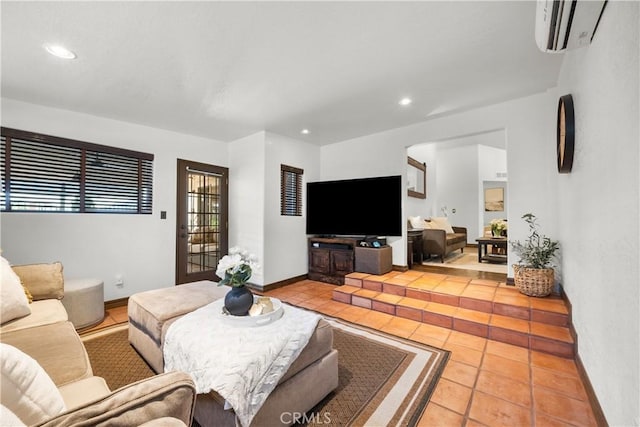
[[46, 373]]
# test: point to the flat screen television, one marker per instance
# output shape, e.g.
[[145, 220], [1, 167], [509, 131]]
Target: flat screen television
[[355, 207]]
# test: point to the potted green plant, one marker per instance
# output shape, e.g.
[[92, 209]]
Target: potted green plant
[[534, 273]]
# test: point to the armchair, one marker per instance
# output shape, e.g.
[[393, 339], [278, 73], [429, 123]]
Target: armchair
[[164, 400]]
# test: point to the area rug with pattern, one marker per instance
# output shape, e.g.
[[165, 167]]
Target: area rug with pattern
[[383, 380]]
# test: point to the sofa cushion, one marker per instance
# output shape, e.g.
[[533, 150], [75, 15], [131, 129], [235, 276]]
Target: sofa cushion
[[56, 347], [42, 313], [13, 300], [26, 389], [417, 223], [43, 280], [165, 395], [79, 393], [441, 223], [456, 238], [8, 418]]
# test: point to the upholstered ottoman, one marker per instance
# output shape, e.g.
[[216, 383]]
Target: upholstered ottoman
[[84, 301], [312, 376]]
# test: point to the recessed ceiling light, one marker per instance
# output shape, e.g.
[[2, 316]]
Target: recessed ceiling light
[[305, 131], [405, 101], [59, 51]]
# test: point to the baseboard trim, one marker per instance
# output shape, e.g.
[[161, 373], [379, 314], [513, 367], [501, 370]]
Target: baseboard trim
[[276, 285], [120, 302], [598, 413]]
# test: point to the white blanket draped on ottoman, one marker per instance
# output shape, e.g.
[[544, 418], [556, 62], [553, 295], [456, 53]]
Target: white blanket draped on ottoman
[[242, 364]]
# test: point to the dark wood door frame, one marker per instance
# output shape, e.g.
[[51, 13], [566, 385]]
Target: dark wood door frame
[[185, 228]]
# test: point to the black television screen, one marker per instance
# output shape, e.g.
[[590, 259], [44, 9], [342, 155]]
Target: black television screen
[[355, 207]]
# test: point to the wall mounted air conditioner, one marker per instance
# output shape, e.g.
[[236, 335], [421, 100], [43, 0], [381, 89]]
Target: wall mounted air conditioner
[[566, 24]]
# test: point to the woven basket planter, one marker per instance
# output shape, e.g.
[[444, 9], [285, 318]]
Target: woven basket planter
[[534, 282]]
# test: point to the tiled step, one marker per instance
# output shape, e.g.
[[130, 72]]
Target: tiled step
[[476, 294], [483, 308]]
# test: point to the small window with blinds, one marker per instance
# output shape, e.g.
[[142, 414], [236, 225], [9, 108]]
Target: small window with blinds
[[290, 191], [43, 173]]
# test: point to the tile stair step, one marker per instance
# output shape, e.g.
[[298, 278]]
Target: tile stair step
[[506, 301], [414, 309], [504, 324]]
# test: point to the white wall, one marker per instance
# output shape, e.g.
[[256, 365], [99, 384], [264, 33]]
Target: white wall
[[491, 162], [425, 208], [285, 239], [460, 174], [457, 188], [255, 222], [246, 198], [141, 248], [527, 120], [529, 124], [600, 196]]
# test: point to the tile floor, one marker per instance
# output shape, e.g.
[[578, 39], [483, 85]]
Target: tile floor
[[485, 383]]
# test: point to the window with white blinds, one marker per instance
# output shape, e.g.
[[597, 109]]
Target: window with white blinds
[[290, 191], [43, 173]]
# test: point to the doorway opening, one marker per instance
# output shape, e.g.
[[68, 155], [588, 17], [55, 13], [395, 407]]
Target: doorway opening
[[202, 220], [461, 171]]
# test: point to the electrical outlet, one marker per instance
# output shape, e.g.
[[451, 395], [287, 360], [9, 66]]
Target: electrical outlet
[[119, 281]]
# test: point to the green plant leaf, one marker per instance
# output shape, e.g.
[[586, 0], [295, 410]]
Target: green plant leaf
[[537, 251]]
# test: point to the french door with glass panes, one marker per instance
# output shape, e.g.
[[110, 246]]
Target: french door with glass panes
[[202, 226]]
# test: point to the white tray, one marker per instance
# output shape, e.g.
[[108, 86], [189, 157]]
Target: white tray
[[250, 321]]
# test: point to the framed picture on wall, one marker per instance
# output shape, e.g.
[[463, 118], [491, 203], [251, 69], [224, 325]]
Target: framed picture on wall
[[494, 199]]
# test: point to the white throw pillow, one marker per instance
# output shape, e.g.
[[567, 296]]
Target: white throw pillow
[[8, 418], [25, 387], [441, 223], [13, 300], [416, 222]]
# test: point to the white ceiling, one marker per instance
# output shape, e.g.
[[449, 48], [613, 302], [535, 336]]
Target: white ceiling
[[225, 70]]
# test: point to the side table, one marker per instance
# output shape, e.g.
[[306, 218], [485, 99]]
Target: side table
[[496, 242], [414, 246]]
